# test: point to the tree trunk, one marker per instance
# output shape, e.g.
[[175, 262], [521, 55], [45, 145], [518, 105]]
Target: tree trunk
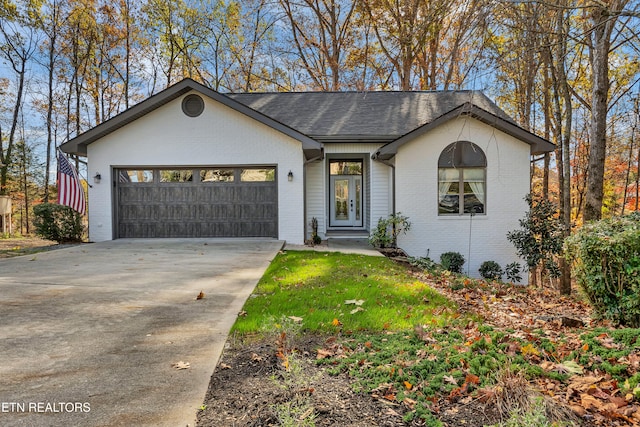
[[14, 125], [599, 55], [564, 285]]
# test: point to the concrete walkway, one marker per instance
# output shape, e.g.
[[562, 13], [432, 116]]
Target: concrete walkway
[[344, 245], [89, 334]]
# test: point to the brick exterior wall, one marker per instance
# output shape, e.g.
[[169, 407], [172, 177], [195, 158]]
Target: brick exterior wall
[[483, 237]]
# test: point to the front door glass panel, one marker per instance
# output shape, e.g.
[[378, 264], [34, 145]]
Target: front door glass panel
[[341, 200]]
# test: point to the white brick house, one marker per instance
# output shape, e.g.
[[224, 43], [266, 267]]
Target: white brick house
[[191, 162]]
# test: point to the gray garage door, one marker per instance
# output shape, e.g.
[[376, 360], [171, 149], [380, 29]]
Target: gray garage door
[[202, 202]]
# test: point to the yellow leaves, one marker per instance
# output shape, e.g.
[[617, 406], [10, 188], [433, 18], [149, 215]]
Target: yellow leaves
[[408, 385], [336, 322], [529, 349]]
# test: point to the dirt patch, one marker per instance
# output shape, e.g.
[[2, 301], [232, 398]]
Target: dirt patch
[[26, 245], [249, 388]]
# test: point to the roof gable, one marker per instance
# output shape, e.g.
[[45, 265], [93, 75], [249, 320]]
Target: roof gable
[[538, 145], [78, 145]]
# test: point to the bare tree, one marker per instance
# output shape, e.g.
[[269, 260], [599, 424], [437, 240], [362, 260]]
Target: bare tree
[[321, 32], [17, 46]]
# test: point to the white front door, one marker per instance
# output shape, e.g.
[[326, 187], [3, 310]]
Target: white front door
[[346, 201]]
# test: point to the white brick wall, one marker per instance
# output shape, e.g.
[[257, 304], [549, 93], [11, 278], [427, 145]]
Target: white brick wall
[[507, 185], [220, 136]]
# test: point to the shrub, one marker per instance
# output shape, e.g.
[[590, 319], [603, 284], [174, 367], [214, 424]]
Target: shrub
[[452, 261], [512, 271], [387, 231], [490, 270], [606, 265], [423, 263], [58, 223], [315, 239]]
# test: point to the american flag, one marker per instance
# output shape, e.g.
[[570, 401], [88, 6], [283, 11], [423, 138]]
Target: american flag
[[70, 192]]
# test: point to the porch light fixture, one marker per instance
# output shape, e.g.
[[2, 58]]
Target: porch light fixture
[[97, 178], [290, 176]]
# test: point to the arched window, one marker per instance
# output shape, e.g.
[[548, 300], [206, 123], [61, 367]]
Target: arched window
[[461, 179]]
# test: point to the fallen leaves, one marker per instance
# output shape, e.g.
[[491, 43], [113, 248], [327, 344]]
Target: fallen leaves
[[357, 302], [181, 365]]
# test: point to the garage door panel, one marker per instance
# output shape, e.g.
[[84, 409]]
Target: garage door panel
[[197, 209]]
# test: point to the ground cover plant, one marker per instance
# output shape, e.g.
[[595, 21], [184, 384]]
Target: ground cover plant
[[350, 340]]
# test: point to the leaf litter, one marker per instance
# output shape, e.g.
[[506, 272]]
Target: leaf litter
[[538, 325]]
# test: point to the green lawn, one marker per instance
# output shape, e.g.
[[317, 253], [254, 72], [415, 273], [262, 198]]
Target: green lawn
[[331, 291]]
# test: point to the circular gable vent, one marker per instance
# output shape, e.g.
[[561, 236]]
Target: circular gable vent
[[192, 105]]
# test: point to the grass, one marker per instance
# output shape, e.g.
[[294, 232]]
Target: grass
[[403, 342], [347, 292]]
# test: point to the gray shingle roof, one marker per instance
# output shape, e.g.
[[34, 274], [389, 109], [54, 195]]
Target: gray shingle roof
[[370, 116], [316, 117]]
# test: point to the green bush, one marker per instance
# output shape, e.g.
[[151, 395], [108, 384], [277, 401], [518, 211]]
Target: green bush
[[606, 265], [58, 223], [490, 270], [387, 231], [452, 261]]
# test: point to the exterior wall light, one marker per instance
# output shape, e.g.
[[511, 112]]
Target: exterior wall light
[[290, 176], [97, 178]]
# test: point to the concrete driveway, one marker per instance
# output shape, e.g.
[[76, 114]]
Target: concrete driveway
[[89, 334]]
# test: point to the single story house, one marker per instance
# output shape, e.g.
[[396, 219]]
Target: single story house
[[192, 162]]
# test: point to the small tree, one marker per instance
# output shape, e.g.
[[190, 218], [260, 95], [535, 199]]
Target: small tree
[[387, 231], [539, 241]]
